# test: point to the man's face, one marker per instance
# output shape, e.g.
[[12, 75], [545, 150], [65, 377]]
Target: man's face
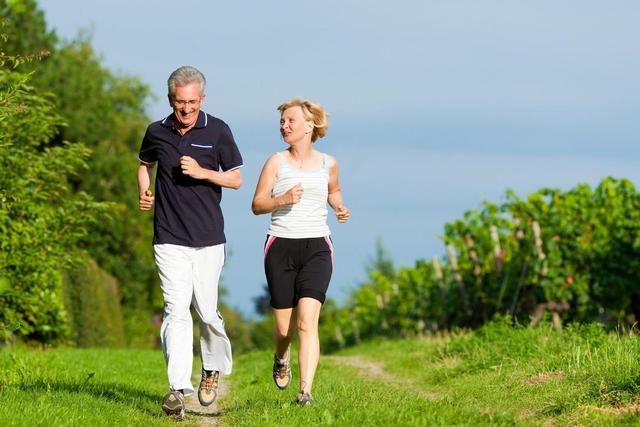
[[186, 104]]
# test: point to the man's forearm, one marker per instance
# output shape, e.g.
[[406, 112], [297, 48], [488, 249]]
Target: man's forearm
[[229, 179], [144, 178]]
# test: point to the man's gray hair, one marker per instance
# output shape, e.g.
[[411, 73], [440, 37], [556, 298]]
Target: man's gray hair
[[183, 76]]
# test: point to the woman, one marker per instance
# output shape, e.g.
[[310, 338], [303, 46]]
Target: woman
[[295, 186]]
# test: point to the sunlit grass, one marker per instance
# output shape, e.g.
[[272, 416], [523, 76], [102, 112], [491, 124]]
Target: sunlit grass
[[499, 375], [71, 387]]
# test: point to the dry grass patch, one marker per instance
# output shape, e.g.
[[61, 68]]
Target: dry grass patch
[[544, 377]]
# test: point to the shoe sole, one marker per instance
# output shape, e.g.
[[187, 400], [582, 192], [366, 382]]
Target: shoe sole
[[207, 402], [173, 409], [177, 413]]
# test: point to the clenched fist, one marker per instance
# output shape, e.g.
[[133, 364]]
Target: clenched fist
[[342, 214], [192, 168], [146, 200], [293, 196]]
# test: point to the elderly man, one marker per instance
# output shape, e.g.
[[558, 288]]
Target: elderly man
[[196, 157]]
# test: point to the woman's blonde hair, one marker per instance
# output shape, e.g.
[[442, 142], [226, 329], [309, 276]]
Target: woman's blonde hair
[[313, 112]]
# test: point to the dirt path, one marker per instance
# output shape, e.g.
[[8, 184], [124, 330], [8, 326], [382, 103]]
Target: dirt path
[[209, 415], [369, 369]]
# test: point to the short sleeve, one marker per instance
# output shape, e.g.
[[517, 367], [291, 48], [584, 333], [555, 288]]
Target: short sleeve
[[147, 150], [228, 154]]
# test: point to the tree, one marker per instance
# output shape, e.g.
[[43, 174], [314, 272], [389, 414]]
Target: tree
[[42, 221]]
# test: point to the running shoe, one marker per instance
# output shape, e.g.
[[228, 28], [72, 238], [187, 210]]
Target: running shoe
[[208, 389], [282, 370], [304, 398], [173, 404]]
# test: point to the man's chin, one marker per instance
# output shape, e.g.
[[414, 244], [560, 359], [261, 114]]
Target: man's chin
[[186, 122]]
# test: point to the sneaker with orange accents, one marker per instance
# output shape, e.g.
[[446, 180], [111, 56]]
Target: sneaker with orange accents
[[282, 370], [208, 389]]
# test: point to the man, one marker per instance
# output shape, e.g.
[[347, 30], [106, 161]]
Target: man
[[196, 156]]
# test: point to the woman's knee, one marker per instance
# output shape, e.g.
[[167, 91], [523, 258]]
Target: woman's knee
[[307, 324], [282, 331]]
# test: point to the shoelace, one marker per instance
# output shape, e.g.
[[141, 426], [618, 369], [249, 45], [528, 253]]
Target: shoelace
[[210, 381], [281, 369]]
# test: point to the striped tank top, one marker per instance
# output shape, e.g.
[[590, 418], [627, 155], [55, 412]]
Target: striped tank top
[[308, 217]]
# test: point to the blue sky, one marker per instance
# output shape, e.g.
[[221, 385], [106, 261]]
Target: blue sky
[[434, 105]]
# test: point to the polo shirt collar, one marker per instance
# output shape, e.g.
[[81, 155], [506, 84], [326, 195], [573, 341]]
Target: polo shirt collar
[[200, 123]]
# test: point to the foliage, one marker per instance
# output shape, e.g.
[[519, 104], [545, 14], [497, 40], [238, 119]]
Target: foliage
[[574, 255], [92, 300], [106, 112], [42, 220], [25, 34], [103, 111]]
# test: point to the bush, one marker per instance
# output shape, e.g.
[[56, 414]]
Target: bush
[[93, 303]]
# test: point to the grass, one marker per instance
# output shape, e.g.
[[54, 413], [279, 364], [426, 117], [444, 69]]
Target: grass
[[73, 387], [498, 376]]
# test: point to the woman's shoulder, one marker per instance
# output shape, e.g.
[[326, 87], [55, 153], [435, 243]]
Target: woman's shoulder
[[275, 157], [273, 161], [329, 159]]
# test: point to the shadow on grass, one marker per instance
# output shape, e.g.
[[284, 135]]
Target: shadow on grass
[[204, 414], [136, 398]]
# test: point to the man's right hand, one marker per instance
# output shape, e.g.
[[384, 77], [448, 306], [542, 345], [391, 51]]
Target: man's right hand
[[146, 200]]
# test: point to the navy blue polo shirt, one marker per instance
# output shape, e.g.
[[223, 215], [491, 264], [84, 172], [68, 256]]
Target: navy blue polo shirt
[[187, 210]]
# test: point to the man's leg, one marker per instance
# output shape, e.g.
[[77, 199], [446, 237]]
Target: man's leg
[[214, 343], [176, 333]]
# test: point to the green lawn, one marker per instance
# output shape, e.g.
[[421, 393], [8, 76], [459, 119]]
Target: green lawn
[[496, 376], [82, 388]]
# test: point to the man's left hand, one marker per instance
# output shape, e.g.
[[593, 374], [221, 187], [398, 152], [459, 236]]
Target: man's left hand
[[191, 168]]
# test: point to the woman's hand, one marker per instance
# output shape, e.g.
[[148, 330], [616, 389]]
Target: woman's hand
[[342, 214], [292, 196]]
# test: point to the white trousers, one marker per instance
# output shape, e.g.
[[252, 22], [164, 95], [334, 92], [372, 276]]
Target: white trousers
[[190, 276]]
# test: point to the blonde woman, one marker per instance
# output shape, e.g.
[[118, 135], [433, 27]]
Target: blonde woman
[[295, 186]]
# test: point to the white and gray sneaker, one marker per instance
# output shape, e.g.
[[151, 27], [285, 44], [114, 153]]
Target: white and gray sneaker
[[173, 404]]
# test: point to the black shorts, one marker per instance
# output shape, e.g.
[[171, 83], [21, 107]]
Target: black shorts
[[297, 268]]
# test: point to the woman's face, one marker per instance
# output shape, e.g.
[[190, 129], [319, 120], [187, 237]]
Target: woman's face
[[293, 126]]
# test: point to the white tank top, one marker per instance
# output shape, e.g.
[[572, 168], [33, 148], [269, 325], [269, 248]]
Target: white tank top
[[308, 217]]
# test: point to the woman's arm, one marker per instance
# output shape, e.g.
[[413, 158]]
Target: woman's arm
[[335, 194], [263, 202]]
